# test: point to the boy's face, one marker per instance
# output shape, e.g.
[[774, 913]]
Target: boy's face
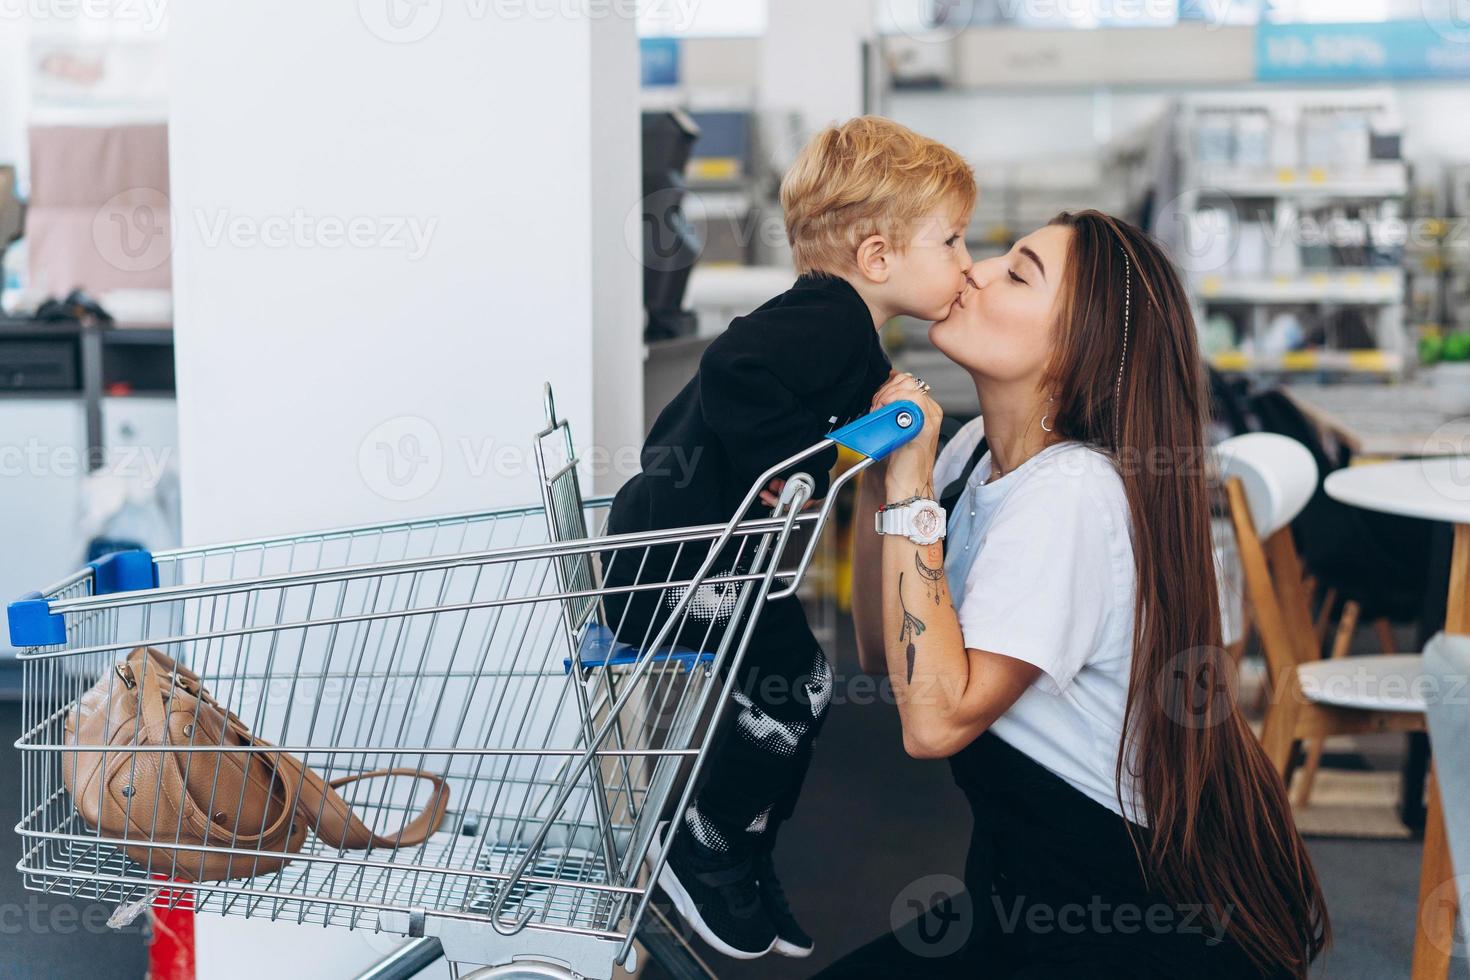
[[928, 276]]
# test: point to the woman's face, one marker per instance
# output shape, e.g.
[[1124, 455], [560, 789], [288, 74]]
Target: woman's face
[[1004, 329]]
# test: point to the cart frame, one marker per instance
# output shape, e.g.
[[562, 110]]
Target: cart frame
[[565, 882]]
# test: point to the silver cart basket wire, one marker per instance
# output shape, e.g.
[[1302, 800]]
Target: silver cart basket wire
[[474, 647]]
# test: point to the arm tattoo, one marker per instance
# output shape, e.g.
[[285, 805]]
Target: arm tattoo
[[912, 627], [933, 577]]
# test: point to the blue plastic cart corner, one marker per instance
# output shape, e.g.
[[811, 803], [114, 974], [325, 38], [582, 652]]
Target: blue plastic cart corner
[[33, 624]]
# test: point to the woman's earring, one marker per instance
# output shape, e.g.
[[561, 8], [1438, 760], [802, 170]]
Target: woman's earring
[[1044, 426]]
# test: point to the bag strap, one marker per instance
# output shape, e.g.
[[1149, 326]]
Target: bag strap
[[334, 821], [416, 831]]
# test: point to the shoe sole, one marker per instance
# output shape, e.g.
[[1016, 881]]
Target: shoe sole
[[791, 950], [669, 882]]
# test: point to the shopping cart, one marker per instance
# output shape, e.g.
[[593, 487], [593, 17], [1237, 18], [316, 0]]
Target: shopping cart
[[473, 647]]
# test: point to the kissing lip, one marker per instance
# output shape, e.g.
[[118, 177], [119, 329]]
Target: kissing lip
[[959, 297]]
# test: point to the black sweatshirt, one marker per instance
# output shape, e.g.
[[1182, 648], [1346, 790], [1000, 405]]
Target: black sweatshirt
[[774, 383]]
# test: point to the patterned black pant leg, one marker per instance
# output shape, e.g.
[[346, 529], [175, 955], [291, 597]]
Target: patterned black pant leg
[[758, 763]]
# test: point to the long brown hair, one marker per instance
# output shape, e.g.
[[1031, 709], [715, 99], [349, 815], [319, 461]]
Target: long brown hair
[[1220, 831]]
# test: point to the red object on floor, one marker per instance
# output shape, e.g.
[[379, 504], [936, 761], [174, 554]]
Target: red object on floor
[[171, 951]]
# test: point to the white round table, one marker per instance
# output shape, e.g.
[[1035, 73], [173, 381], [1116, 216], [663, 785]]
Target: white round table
[[1436, 490]]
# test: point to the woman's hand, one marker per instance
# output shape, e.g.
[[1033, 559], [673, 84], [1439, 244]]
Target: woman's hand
[[912, 464]]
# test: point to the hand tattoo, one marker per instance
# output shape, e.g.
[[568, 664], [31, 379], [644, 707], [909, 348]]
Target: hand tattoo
[[933, 577], [912, 627]]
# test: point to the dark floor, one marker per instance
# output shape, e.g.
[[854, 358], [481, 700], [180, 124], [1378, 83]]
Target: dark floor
[[51, 936], [872, 823]]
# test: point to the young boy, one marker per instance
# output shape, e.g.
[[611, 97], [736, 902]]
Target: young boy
[[876, 216]]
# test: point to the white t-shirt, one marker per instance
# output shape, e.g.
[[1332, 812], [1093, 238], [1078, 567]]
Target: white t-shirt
[[1040, 563]]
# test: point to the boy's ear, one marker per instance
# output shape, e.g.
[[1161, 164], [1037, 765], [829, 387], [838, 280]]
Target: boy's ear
[[875, 259]]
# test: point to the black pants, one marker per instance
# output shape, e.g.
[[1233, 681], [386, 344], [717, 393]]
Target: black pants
[[756, 767], [1054, 890]]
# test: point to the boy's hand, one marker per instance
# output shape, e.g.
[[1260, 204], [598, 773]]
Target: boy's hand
[[771, 495]]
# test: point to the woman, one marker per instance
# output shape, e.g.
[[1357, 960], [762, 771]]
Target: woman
[[1073, 602]]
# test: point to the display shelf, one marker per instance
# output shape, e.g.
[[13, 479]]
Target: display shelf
[[1302, 183], [151, 335], [1367, 287], [1385, 179], [1361, 361]]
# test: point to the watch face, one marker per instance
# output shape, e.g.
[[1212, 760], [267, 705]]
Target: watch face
[[926, 522]]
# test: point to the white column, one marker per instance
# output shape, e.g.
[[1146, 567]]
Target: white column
[[389, 234], [394, 222], [811, 60]]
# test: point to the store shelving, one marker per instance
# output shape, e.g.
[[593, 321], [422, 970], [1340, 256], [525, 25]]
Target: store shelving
[[1383, 179], [1018, 198], [1365, 286], [1437, 260], [1361, 361], [1279, 202]]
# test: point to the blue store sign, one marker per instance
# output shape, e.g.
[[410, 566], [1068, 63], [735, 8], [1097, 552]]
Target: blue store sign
[[1424, 48]]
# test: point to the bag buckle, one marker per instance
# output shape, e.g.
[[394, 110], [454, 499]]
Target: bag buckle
[[125, 672]]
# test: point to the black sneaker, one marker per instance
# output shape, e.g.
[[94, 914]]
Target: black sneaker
[[716, 894], [791, 938]]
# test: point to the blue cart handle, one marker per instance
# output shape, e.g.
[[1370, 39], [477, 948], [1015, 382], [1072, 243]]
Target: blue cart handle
[[33, 624], [879, 433]]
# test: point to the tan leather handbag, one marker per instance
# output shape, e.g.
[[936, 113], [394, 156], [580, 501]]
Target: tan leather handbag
[[258, 800]]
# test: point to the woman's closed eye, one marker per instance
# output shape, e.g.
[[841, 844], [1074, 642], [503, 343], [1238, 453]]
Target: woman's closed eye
[[1016, 278]]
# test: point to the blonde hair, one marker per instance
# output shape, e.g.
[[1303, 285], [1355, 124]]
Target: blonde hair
[[868, 176]]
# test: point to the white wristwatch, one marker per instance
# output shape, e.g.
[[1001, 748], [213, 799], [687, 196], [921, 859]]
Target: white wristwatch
[[919, 519]]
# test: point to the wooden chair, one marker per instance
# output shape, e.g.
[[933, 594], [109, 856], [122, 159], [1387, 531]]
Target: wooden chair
[[1268, 479]]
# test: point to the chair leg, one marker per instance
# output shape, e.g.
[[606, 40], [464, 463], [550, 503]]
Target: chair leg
[[1341, 643], [1434, 935], [1278, 734], [1249, 632], [1324, 615], [1346, 627], [1384, 629]]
